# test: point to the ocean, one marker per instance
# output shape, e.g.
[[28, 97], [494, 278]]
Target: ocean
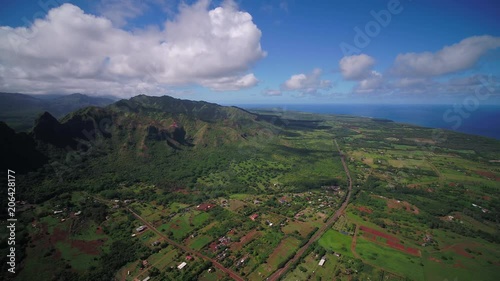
[[483, 121]]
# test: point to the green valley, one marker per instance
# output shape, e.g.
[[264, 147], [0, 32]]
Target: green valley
[[180, 190]]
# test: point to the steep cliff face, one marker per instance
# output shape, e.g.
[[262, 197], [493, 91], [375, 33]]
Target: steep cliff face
[[139, 128], [175, 136], [47, 129], [18, 150]]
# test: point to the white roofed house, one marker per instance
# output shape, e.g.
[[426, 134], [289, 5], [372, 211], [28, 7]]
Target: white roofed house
[[140, 228], [322, 261], [182, 265]]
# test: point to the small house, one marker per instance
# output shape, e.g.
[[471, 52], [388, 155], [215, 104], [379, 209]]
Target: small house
[[254, 216], [182, 265]]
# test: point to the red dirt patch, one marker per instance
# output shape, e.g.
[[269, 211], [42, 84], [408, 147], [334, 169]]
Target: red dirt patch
[[487, 198], [236, 246], [175, 224], [57, 255], [396, 204], [395, 245], [458, 264], [378, 233], [205, 207], [213, 246], [412, 251], [88, 247], [58, 235], [488, 174], [435, 260], [369, 236], [459, 249], [35, 237], [391, 241], [365, 209], [99, 231]]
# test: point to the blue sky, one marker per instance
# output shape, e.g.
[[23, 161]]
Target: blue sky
[[264, 52]]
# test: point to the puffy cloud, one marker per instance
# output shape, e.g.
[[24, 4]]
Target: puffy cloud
[[371, 83], [306, 83], [359, 68], [119, 11], [459, 86], [70, 51], [356, 67], [416, 74], [231, 83], [450, 59], [272, 92]]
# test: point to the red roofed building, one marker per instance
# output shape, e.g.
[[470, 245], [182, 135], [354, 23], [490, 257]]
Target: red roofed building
[[254, 216]]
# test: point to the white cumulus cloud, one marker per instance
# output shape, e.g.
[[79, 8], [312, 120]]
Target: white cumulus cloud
[[450, 59], [371, 83], [356, 67], [272, 92], [306, 83], [359, 68], [71, 51]]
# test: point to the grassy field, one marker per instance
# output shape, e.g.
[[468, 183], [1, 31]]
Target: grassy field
[[200, 242], [89, 233], [200, 219], [304, 228], [336, 241], [283, 252], [179, 226], [38, 265], [457, 266], [390, 259], [78, 260]]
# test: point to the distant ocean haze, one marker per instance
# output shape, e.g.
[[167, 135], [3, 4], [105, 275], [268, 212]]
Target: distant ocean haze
[[484, 121]]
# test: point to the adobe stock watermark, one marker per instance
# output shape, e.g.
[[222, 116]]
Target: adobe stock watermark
[[471, 103], [363, 37], [455, 115]]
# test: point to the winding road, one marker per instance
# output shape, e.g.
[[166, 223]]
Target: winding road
[[278, 273]]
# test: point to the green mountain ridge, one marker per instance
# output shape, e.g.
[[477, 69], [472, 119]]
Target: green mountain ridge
[[165, 152], [151, 131], [20, 111]]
